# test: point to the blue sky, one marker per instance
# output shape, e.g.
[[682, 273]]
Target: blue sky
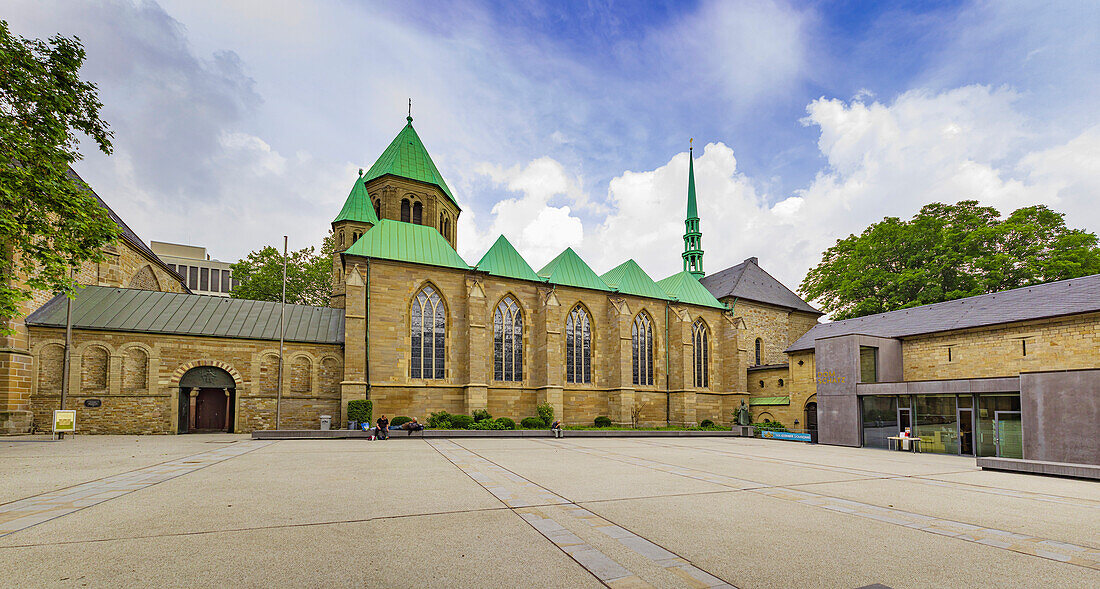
[[567, 123]]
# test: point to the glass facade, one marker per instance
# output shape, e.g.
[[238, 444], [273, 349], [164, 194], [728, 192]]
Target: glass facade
[[937, 425], [999, 427], [981, 425], [880, 420], [868, 364]]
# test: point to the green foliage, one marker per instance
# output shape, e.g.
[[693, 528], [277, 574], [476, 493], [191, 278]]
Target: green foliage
[[706, 423], [774, 426], [308, 275], [360, 410], [603, 421], [487, 424], [546, 413], [400, 420], [506, 422], [947, 252], [461, 421], [49, 220], [532, 423], [439, 420], [481, 415]]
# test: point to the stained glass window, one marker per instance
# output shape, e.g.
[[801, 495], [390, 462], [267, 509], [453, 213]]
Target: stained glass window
[[578, 346], [428, 335]]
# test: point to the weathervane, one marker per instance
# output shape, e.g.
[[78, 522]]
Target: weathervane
[[691, 144]]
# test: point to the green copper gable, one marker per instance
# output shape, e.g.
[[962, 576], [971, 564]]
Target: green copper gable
[[358, 206], [406, 157], [629, 278], [503, 260], [405, 242], [568, 269], [685, 288]]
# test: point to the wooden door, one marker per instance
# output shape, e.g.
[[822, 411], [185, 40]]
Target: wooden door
[[210, 410]]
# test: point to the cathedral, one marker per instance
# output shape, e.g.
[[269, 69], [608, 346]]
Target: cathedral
[[413, 327]]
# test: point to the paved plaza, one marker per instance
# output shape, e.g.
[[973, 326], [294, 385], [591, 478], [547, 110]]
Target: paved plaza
[[645, 512]]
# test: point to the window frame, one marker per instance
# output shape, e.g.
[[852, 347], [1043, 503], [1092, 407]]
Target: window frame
[[424, 338], [508, 325], [578, 324]]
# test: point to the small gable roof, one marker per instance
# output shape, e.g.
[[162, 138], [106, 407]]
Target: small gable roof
[[685, 288], [748, 280], [406, 242], [568, 269], [503, 260], [407, 157], [358, 206], [629, 278]]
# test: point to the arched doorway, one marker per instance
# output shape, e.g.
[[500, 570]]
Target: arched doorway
[[206, 400], [811, 420]]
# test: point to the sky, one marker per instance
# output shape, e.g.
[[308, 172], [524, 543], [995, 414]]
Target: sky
[[567, 124]]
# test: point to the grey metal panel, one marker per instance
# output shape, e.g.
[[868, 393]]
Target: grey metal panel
[[122, 316]]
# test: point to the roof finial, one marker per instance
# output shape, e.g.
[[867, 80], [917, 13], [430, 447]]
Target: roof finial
[[360, 172], [410, 117], [691, 144]]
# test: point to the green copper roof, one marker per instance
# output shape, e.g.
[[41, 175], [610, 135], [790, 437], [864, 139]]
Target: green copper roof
[[503, 260], [629, 278], [770, 401], [685, 288], [693, 213], [358, 206], [405, 242], [406, 157], [568, 269]]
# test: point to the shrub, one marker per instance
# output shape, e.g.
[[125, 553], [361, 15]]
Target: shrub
[[774, 426], [603, 421], [546, 413], [400, 420], [486, 424], [481, 415], [532, 423], [360, 410], [461, 421], [439, 420], [507, 422], [706, 423]]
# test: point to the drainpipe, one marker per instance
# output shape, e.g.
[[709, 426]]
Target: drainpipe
[[668, 385]]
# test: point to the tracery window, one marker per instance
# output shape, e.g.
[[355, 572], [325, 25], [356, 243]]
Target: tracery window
[[700, 354], [428, 327], [418, 213], [578, 346], [405, 210], [508, 341], [641, 346]]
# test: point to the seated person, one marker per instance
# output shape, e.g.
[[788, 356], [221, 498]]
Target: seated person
[[383, 427], [412, 426]]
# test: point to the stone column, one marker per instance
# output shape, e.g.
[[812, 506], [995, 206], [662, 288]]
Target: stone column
[[547, 357], [225, 421], [621, 396], [193, 397], [354, 385], [479, 346]]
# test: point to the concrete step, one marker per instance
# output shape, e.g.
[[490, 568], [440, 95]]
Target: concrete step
[[1062, 469]]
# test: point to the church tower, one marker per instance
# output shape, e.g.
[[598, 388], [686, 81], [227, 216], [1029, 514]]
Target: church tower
[[693, 238]]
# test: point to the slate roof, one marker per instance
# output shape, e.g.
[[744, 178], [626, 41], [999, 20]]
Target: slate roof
[[358, 206], [407, 157], [146, 311], [568, 269], [503, 260], [685, 288], [748, 280], [407, 242], [1053, 299], [629, 278]]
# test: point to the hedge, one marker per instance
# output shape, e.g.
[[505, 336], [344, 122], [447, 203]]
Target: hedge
[[360, 410], [532, 423]]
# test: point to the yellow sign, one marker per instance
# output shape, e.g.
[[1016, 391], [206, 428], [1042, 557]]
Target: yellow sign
[[64, 420]]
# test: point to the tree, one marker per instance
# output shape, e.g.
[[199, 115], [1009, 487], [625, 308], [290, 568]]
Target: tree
[[308, 275], [947, 252], [49, 221]]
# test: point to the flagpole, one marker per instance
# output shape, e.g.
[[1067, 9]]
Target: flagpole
[[68, 345], [282, 336]]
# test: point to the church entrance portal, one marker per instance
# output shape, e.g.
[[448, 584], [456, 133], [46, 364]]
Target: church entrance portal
[[206, 400]]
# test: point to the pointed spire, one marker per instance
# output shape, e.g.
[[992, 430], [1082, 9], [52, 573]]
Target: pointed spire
[[693, 238]]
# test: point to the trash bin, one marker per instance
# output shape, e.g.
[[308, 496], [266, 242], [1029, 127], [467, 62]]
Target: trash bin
[[326, 422]]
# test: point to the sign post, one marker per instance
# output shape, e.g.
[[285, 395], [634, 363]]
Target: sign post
[[64, 420]]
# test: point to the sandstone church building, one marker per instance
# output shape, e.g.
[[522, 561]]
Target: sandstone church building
[[416, 328]]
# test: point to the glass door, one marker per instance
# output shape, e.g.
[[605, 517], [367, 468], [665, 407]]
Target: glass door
[[1008, 434], [905, 421], [966, 432], [988, 433]]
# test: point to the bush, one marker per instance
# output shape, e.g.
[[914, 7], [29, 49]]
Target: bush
[[603, 421], [400, 420], [487, 424], [506, 422], [546, 413], [439, 420], [481, 415], [461, 421], [360, 410], [774, 426], [532, 423], [706, 423]]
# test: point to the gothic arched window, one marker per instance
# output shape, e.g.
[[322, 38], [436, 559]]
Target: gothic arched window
[[378, 209], [700, 354], [428, 332], [759, 351], [578, 346], [641, 347], [405, 208], [418, 213], [508, 341]]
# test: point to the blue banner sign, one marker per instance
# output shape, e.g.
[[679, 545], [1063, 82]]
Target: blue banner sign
[[795, 437]]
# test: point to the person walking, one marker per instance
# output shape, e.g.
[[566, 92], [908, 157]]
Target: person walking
[[383, 428]]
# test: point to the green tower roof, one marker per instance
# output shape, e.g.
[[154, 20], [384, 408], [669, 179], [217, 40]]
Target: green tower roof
[[406, 157], [629, 278], [503, 260], [692, 212], [568, 269], [685, 288], [358, 206], [406, 242]]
